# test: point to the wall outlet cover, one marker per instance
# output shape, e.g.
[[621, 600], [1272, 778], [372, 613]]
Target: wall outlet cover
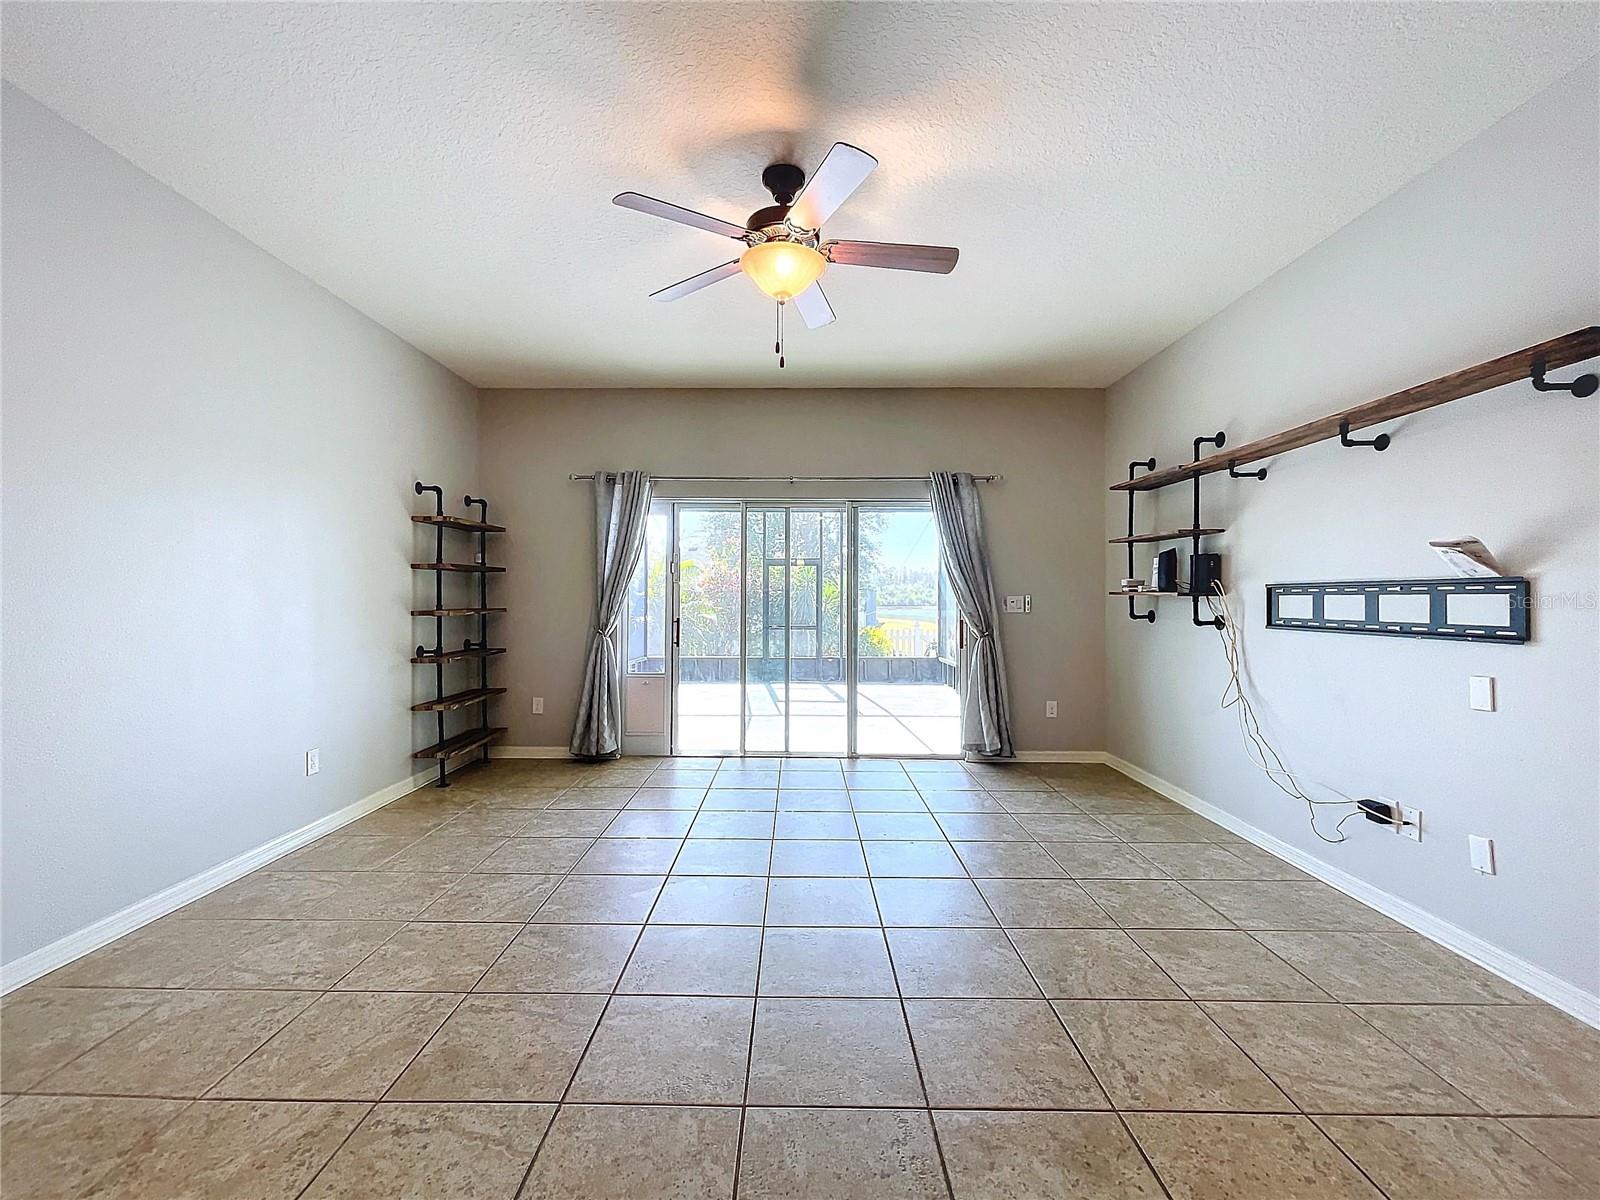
[[1049, 708], [313, 761], [1480, 692], [1413, 823], [538, 705], [1481, 850], [1014, 604]]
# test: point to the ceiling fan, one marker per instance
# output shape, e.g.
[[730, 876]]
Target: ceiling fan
[[784, 252]]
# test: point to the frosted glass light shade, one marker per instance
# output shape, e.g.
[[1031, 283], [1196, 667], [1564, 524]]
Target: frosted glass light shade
[[782, 269]]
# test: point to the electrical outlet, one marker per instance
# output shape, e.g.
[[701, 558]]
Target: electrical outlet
[[538, 705], [1049, 708], [313, 761], [1014, 604], [1481, 852], [1413, 823]]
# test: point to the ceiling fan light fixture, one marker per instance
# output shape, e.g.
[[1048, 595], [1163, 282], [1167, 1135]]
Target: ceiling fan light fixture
[[782, 269]]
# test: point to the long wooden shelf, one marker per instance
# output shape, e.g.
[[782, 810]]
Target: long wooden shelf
[[456, 655], [460, 523], [461, 743], [454, 612], [1574, 347], [475, 568], [1156, 595], [458, 700], [1170, 535]]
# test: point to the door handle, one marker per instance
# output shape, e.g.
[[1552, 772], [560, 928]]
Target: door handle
[[676, 625]]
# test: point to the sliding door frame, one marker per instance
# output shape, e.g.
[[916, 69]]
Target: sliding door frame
[[852, 681], [849, 537]]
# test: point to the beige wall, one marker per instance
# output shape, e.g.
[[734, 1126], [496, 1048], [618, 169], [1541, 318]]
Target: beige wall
[[1042, 519], [1469, 261], [208, 463]]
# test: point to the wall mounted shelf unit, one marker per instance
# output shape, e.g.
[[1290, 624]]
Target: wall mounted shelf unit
[[481, 734], [1531, 363]]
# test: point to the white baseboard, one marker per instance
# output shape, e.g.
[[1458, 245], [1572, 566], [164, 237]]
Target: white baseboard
[[1061, 756], [108, 929], [529, 752], [1552, 989]]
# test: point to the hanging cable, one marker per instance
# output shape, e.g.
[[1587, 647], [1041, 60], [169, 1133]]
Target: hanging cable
[[1256, 747], [777, 346]]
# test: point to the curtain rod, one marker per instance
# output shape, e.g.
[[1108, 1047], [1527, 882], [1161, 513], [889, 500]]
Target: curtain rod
[[798, 478]]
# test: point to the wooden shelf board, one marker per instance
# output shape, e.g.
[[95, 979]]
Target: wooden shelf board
[[1575, 347], [1155, 595], [454, 655], [461, 743], [460, 523], [458, 700], [1170, 535], [476, 568], [454, 612]]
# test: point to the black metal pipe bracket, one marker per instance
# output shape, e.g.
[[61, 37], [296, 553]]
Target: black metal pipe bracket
[[1583, 385], [1219, 439], [438, 496], [1149, 464], [1381, 442], [1235, 473]]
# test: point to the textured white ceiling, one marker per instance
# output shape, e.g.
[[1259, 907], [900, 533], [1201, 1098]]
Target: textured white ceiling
[[1113, 173]]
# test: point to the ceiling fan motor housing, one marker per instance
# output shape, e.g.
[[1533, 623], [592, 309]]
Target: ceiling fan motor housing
[[784, 181]]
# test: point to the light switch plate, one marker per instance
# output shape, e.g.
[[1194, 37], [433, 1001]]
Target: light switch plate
[[538, 705], [1014, 604], [1482, 851], [1480, 693]]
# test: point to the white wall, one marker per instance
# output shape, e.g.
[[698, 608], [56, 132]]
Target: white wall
[[1493, 250], [208, 464], [1042, 520]]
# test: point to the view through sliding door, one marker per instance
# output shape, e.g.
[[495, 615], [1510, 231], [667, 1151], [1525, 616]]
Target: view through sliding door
[[795, 663], [907, 666], [810, 628]]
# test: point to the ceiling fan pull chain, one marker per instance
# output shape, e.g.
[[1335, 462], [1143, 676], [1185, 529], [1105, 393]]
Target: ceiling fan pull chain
[[778, 345]]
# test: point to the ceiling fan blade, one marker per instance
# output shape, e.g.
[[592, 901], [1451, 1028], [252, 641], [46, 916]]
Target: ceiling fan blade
[[813, 307], [897, 256], [843, 170], [683, 216], [695, 282]]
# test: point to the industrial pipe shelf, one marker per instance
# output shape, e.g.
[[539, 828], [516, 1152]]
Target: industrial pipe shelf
[[1531, 362], [1170, 535], [460, 523]]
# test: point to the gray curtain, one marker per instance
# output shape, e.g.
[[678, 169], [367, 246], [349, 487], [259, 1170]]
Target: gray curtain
[[985, 707], [621, 509]]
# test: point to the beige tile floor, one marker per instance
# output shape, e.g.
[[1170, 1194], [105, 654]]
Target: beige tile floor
[[716, 978]]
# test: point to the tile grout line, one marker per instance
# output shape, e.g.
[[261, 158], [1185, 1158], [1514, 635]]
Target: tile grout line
[[900, 997], [577, 1065], [1111, 1105]]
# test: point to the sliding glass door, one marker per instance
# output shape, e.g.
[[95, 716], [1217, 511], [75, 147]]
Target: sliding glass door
[[907, 673], [707, 649], [809, 628], [794, 574]]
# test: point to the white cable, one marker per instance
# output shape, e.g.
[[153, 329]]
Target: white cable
[[1256, 747]]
